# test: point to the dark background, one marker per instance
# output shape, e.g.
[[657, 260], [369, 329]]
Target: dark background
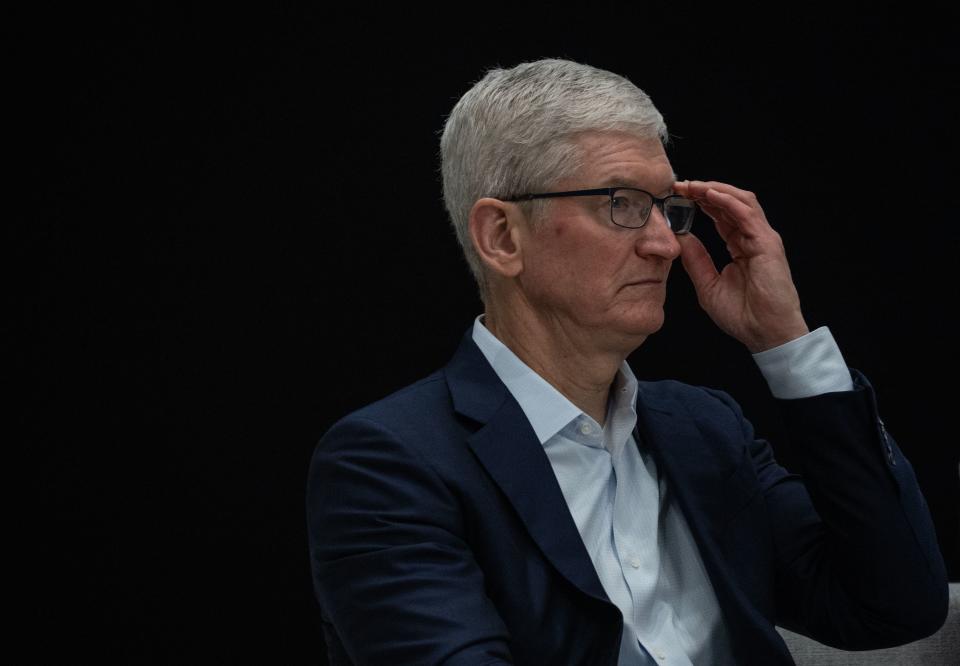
[[228, 232]]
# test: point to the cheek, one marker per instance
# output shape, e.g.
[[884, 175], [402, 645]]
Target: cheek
[[575, 274], [563, 255], [578, 265]]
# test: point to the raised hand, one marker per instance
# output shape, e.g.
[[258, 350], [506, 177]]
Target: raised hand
[[753, 298]]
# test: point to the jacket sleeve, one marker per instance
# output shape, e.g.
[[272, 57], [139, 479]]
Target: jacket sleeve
[[858, 566], [391, 570]]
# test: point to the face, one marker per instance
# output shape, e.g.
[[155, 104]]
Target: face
[[585, 273]]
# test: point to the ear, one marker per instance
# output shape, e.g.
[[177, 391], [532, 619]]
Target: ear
[[495, 229]]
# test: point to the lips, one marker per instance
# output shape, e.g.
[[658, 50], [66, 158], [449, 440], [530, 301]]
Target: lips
[[643, 282]]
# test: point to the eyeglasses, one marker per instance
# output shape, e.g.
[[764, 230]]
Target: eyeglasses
[[630, 207]]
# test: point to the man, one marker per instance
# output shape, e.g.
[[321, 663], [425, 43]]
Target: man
[[533, 503]]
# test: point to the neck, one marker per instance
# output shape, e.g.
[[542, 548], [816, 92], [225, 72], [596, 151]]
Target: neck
[[568, 358]]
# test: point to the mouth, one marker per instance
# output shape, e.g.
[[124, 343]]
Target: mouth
[[651, 287]]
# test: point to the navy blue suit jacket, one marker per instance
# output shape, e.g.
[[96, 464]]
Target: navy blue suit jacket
[[439, 533]]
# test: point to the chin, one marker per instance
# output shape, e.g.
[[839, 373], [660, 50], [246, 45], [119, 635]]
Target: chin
[[638, 328], [646, 319]]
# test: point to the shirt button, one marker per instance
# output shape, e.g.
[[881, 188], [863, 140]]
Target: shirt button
[[585, 428], [635, 562], [660, 655]]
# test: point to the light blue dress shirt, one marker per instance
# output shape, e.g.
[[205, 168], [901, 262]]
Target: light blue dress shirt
[[634, 531]]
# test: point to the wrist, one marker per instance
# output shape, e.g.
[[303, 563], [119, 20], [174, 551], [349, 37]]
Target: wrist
[[771, 340]]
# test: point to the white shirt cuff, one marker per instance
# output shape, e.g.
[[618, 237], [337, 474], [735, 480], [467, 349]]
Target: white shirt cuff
[[808, 366]]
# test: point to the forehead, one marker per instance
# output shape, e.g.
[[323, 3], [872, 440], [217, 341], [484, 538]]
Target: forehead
[[614, 158]]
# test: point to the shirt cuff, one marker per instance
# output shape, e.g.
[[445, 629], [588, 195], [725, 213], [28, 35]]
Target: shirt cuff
[[808, 366]]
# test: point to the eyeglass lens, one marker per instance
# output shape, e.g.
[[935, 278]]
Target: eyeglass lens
[[631, 208]]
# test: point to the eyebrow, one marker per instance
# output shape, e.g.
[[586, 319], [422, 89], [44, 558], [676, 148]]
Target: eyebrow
[[616, 181]]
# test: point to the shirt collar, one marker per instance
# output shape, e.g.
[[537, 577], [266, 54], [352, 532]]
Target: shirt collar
[[547, 410]]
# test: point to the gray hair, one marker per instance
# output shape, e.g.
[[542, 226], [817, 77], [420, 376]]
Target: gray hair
[[515, 132]]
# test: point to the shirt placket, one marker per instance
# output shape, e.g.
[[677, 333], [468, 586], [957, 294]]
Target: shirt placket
[[636, 528]]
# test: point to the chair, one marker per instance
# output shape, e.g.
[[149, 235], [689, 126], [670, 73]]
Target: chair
[[941, 649]]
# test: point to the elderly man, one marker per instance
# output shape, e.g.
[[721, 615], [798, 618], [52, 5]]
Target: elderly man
[[533, 503]]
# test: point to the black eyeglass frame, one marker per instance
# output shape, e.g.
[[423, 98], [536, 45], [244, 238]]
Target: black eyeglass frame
[[659, 202]]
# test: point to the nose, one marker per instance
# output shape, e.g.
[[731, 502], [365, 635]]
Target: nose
[[656, 238]]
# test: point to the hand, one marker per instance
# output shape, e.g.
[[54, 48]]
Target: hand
[[753, 298]]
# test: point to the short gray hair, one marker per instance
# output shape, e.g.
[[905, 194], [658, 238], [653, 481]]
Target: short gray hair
[[515, 130]]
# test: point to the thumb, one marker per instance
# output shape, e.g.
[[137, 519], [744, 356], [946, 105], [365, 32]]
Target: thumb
[[697, 263]]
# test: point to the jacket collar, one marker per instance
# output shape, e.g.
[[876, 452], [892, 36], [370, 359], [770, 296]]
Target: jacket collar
[[668, 430], [509, 450], [708, 489]]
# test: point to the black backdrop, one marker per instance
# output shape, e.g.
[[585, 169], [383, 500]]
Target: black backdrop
[[230, 233]]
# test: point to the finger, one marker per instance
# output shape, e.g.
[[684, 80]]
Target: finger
[[716, 213], [724, 227], [727, 226], [747, 219], [698, 188], [697, 191], [697, 262]]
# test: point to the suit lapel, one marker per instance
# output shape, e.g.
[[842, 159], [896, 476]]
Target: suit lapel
[[701, 484], [690, 467], [507, 447]]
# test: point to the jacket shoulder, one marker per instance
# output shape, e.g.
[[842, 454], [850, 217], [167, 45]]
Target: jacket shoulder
[[415, 414], [425, 394]]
